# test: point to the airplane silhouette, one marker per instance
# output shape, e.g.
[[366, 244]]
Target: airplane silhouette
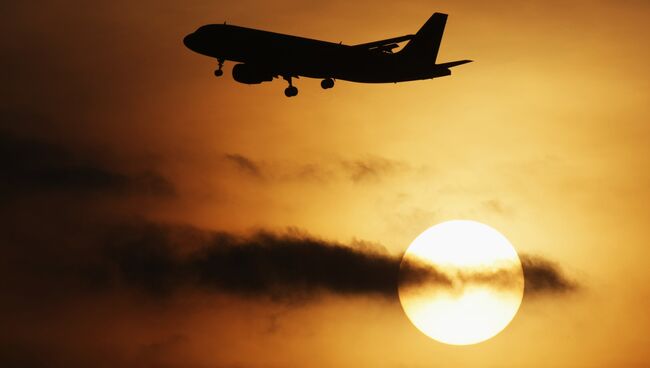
[[264, 55]]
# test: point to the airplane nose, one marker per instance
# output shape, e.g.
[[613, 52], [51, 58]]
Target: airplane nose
[[190, 41]]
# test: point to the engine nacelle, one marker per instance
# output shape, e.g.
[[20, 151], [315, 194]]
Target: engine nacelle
[[247, 74]]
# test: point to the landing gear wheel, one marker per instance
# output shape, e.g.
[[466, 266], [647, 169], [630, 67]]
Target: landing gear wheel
[[327, 83], [291, 91]]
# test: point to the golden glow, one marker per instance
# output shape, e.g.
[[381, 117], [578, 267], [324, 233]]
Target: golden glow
[[461, 282]]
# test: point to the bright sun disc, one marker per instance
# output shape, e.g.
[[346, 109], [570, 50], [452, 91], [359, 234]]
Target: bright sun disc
[[461, 282]]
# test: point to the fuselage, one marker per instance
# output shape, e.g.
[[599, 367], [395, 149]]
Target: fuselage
[[284, 55]]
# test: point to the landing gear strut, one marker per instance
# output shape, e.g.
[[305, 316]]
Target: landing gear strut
[[327, 83], [219, 72], [291, 90]]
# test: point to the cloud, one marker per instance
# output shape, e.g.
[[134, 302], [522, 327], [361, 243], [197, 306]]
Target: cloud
[[360, 170], [544, 276], [371, 169], [31, 166], [281, 266], [245, 164], [159, 259], [496, 206]]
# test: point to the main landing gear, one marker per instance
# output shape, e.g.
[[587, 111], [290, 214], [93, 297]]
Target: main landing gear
[[291, 90], [327, 83], [219, 72]]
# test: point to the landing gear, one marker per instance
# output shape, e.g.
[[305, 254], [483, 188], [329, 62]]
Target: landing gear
[[291, 90], [327, 83], [219, 72]]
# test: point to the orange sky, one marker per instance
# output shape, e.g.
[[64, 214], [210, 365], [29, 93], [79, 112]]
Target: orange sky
[[545, 137]]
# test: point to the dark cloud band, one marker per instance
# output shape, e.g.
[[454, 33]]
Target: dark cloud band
[[156, 259]]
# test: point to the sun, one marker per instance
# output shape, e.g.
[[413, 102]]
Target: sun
[[461, 282]]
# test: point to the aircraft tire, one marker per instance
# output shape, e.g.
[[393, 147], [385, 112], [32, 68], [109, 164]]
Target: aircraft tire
[[291, 91], [327, 83], [218, 73]]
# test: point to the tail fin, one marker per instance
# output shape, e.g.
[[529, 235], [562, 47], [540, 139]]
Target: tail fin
[[426, 43]]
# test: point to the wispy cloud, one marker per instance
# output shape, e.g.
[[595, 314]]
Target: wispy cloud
[[358, 170], [245, 165], [371, 169]]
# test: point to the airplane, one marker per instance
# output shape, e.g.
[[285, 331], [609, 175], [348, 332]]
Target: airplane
[[262, 56]]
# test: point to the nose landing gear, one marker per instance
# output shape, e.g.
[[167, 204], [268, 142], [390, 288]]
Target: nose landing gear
[[219, 72]]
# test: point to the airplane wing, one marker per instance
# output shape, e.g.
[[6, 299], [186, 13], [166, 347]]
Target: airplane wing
[[390, 42]]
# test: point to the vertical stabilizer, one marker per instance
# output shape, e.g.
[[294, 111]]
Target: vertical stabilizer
[[426, 43]]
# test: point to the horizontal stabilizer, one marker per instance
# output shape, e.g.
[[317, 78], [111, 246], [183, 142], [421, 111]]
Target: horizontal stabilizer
[[452, 64], [389, 41]]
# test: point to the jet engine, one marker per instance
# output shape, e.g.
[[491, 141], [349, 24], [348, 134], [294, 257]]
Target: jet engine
[[247, 74]]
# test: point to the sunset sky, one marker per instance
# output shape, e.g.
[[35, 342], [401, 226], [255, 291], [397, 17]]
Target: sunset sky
[[127, 166]]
